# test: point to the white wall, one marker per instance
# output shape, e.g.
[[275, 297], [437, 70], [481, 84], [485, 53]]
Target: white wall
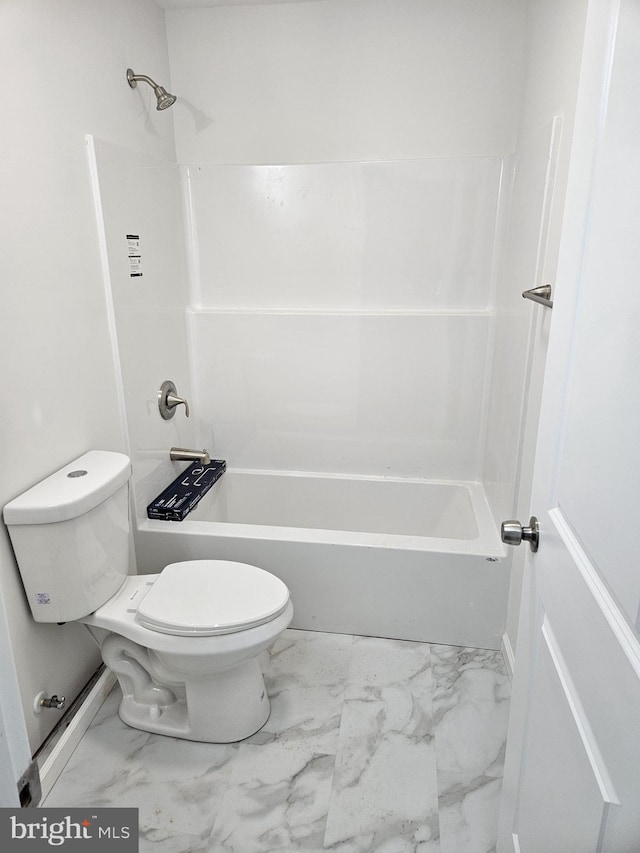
[[65, 64], [346, 80], [345, 165], [539, 174]]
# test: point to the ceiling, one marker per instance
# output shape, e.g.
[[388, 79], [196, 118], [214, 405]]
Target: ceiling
[[197, 4]]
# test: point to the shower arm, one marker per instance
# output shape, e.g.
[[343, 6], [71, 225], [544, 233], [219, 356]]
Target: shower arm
[[135, 78]]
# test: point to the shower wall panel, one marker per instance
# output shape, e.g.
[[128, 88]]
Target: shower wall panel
[[390, 234], [377, 394], [340, 319]]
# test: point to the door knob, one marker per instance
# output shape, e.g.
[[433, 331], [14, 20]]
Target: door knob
[[512, 533]]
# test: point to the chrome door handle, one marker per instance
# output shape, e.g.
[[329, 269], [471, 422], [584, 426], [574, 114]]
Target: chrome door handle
[[513, 533]]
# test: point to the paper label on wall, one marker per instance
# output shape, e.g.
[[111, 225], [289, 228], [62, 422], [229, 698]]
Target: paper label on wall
[[135, 255]]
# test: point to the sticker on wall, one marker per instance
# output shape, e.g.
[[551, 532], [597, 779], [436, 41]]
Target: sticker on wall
[[135, 255]]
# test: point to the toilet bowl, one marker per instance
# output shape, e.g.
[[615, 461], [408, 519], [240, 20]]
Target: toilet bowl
[[185, 644]]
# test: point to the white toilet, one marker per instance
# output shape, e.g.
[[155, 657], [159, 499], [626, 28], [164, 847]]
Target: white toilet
[[184, 644]]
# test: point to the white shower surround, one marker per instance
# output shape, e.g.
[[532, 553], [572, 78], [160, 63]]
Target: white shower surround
[[387, 557], [340, 333], [373, 379]]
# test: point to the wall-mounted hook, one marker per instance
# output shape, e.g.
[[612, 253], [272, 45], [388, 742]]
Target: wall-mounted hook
[[168, 400], [541, 295]]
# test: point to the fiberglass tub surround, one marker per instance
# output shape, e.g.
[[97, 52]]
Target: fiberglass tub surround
[[338, 340]]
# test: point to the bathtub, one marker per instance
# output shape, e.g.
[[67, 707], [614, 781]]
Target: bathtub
[[407, 559]]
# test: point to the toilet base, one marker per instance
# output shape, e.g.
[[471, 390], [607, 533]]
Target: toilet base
[[229, 707], [224, 706]]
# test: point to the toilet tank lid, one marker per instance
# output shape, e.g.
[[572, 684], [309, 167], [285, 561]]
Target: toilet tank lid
[[72, 491]]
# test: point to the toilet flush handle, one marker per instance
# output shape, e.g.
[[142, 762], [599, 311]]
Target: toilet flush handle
[[168, 400]]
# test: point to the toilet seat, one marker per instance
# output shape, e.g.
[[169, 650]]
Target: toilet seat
[[204, 598]]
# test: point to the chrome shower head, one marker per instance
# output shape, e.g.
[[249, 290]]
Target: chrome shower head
[[163, 97], [165, 100]]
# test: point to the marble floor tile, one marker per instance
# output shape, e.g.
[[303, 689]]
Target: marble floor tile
[[177, 785], [306, 678], [471, 707], [276, 801], [372, 746], [105, 767], [384, 794], [468, 813], [379, 662]]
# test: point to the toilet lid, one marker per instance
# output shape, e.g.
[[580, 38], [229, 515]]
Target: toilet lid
[[207, 597]]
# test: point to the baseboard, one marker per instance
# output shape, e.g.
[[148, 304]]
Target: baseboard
[[507, 654], [56, 760]]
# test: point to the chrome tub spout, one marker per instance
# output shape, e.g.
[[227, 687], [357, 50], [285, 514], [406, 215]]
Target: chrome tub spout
[[179, 454]]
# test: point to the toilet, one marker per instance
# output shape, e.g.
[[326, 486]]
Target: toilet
[[184, 643]]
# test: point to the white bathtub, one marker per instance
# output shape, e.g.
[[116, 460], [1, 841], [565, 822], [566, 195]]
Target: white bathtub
[[403, 558]]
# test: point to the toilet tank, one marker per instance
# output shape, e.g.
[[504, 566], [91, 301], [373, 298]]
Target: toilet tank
[[70, 535]]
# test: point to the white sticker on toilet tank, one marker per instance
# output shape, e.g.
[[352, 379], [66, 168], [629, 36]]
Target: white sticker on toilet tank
[[43, 598], [135, 255]]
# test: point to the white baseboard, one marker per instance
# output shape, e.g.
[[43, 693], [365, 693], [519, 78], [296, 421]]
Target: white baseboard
[[507, 654], [55, 762]]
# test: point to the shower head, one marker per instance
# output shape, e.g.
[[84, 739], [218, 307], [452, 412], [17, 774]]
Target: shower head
[[163, 97]]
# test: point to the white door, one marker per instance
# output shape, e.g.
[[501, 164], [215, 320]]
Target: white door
[[572, 772]]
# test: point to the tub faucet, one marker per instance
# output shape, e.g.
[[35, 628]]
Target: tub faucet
[[177, 454]]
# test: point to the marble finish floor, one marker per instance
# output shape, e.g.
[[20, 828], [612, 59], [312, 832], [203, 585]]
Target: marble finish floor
[[372, 746]]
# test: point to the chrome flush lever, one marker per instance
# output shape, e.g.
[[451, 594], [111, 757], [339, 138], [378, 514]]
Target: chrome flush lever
[[168, 400]]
